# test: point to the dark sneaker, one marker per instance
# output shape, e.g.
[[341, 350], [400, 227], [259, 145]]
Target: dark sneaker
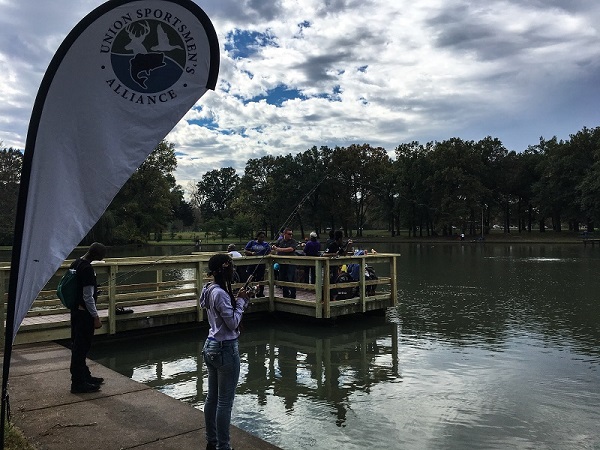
[[84, 388], [95, 380], [122, 310]]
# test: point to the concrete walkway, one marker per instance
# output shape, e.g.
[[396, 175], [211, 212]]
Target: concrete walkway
[[123, 415]]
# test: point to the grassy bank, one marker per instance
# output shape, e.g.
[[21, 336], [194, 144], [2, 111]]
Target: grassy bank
[[14, 439], [188, 238], [550, 237]]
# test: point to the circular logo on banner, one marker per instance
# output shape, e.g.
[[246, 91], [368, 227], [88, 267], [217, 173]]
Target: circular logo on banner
[[148, 56]]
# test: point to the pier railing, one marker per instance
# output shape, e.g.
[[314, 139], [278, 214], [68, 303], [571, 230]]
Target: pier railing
[[165, 291]]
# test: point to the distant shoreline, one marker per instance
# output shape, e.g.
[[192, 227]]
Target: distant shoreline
[[534, 237]]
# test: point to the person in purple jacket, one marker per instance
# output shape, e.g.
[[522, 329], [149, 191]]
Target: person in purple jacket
[[312, 248], [221, 352]]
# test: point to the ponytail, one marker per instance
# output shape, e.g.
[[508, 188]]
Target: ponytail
[[220, 266]]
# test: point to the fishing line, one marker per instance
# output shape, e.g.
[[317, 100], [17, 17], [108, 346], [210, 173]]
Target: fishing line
[[289, 219], [124, 276]]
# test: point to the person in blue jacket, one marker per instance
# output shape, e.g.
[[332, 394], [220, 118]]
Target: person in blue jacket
[[258, 247]]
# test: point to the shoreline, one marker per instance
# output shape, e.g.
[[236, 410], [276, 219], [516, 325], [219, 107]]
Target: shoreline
[[533, 237]]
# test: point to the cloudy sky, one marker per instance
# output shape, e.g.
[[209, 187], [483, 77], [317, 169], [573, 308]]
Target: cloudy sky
[[300, 73]]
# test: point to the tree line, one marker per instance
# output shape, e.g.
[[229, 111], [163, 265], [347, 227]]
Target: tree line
[[149, 203], [437, 188]]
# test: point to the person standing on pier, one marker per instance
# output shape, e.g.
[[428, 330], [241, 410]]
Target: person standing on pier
[[286, 246], [221, 353], [312, 248], [258, 247], [84, 320]]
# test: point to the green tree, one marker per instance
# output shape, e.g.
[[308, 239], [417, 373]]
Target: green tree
[[216, 192], [313, 167], [589, 186], [182, 209], [491, 166], [11, 163], [413, 166], [521, 174], [456, 184], [564, 166], [144, 204], [256, 191]]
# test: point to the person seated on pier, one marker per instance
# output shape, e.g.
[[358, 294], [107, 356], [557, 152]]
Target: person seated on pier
[[258, 247], [330, 240], [233, 252], [334, 249], [353, 270], [240, 272], [286, 246], [338, 247]]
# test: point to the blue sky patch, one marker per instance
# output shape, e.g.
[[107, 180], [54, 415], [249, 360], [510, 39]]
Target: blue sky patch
[[243, 44], [208, 122], [278, 95], [334, 95], [211, 124]]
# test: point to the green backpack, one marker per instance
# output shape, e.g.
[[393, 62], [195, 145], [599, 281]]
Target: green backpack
[[67, 288]]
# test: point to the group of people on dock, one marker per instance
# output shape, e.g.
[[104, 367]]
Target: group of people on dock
[[286, 245]]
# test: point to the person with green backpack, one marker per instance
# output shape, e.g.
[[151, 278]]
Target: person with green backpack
[[84, 320]]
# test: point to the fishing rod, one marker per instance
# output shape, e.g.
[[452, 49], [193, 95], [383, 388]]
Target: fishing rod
[[287, 222], [124, 276]]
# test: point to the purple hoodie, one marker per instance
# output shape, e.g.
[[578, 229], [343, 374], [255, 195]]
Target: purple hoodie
[[222, 318]]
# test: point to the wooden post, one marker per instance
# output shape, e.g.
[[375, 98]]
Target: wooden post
[[159, 278], [326, 293], [394, 280], [362, 286], [318, 288], [112, 299], [271, 274]]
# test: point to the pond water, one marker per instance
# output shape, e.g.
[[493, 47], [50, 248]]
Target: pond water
[[493, 346]]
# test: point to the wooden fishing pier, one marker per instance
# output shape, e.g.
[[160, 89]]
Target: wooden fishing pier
[[165, 291]]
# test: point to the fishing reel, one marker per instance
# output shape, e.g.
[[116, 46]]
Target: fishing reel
[[252, 290], [249, 288]]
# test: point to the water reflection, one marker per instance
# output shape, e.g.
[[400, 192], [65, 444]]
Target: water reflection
[[290, 363], [479, 294], [491, 347]]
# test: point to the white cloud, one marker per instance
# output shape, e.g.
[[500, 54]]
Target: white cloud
[[375, 71]]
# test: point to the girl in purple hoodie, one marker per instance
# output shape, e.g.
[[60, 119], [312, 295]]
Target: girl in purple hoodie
[[221, 353]]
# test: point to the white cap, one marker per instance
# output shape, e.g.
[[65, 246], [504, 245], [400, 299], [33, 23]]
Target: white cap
[[313, 234]]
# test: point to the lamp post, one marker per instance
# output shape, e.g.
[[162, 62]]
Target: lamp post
[[484, 206]]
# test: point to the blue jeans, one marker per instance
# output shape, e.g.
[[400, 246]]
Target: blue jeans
[[223, 362]]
